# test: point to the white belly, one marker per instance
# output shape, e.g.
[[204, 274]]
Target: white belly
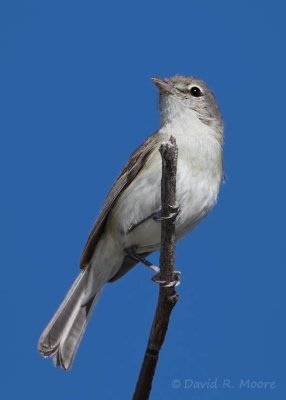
[[196, 193]]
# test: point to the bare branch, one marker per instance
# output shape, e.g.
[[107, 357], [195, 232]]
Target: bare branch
[[168, 296]]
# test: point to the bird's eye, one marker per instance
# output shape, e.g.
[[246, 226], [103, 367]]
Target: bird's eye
[[195, 91]]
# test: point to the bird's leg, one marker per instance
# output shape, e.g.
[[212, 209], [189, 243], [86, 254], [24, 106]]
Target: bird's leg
[[156, 216], [156, 278], [137, 257], [173, 215], [133, 226]]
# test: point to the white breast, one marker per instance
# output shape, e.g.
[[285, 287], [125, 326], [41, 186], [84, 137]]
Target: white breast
[[198, 179], [199, 175]]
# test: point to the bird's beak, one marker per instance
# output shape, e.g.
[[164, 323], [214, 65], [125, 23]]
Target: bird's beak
[[163, 86]]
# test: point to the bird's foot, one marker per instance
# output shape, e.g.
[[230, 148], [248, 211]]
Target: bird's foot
[[174, 283], [175, 211]]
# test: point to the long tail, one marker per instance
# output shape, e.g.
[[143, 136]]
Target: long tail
[[63, 334]]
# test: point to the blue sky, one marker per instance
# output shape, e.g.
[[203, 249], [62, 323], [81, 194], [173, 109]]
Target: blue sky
[[76, 99]]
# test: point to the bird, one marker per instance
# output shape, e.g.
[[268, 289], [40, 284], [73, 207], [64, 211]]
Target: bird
[[128, 227]]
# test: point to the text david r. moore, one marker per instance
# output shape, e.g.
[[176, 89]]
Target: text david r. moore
[[225, 383]]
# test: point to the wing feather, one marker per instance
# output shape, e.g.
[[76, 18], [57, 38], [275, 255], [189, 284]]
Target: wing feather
[[129, 172]]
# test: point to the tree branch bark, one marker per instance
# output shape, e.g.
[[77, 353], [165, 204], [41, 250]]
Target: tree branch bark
[[168, 296]]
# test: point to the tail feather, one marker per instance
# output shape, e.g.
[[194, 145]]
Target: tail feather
[[62, 335], [71, 338]]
